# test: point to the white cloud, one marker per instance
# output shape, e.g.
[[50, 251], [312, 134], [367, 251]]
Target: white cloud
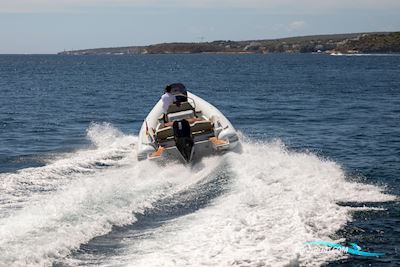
[[59, 5], [296, 25]]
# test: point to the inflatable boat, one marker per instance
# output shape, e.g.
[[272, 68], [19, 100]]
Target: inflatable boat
[[191, 129]]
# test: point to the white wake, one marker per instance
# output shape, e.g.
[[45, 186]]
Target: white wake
[[278, 200], [275, 201]]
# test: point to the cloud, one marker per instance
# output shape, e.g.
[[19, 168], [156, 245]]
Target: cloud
[[16, 6], [296, 25]]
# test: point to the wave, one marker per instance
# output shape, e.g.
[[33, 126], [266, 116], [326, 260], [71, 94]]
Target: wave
[[371, 55], [277, 200], [109, 148], [270, 202]]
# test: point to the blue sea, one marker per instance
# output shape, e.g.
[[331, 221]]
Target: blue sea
[[320, 161]]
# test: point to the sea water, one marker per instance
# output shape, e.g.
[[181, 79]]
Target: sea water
[[320, 161]]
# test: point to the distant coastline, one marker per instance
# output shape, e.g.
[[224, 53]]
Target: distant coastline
[[350, 43]]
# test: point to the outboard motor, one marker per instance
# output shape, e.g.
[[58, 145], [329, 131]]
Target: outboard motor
[[183, 138]]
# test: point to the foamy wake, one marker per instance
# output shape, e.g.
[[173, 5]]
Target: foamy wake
[[275, 201], [278, 200], [83, 200], [109, 148]]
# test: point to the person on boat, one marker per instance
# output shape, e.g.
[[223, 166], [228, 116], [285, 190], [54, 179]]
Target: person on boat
[[167, 99]]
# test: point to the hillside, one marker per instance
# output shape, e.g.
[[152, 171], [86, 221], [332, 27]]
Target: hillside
[[384, 42]]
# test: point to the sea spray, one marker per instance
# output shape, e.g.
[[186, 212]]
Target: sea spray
[[278, 199], [274, 200], [110, 148]]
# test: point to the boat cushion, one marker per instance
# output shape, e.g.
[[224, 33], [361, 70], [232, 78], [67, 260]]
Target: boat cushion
[[186, 114], [202, 126], [183, 106], [164, 133]]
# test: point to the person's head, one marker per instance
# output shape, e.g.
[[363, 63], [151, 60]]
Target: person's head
[[168, 89]]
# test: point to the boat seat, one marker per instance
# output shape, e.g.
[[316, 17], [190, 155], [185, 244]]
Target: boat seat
[[183, 106], [199, 127], [164, 133], [186, 114], [191, 121]]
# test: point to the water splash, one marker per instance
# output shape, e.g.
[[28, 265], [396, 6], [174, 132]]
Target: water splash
[[277, 201], [274, 201], [111, 148]]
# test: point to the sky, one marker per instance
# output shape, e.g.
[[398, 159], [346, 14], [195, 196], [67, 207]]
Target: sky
[[51, 26]]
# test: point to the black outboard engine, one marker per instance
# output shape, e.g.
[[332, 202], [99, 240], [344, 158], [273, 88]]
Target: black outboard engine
[[183, 138]]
